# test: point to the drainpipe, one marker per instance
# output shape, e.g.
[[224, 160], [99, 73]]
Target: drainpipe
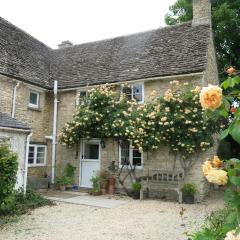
[[14, 99], [26, 163], [54, 133]]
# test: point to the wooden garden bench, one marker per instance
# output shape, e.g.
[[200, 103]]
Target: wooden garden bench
[[159, 180]]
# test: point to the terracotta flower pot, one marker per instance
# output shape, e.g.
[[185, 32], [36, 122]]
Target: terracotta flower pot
[[111, 185], [62, 187], [103, 191]]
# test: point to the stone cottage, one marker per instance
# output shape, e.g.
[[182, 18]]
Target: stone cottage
[[41, 85]]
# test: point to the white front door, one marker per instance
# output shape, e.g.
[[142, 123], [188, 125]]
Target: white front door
[[90, 161]]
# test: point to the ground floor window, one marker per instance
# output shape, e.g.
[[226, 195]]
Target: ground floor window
[[128, 155], [37, 155]]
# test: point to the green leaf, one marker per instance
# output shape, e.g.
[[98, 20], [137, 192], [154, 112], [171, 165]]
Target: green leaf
[[230, 82], [232, 172], [235, 180], [224, 134], [234, 130]]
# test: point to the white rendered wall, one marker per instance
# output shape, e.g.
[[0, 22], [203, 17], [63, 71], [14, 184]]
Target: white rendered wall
[[18, 145]]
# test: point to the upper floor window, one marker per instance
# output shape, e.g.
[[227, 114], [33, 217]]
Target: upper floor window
[[80, 94], [34, 99], [129, 155], [37, 155], [135, 91]]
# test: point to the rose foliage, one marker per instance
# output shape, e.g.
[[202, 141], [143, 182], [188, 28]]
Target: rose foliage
[[175, 119], [224, 172]]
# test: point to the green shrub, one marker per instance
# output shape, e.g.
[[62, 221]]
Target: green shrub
[[95, 184], [63, 181], [21, 203], [189, 189], [8, 170], [69, 172], [216, 225], [136, 187]]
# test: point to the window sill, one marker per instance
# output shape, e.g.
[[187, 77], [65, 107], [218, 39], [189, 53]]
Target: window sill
[[37, 165], [128, 168], [38, 109]]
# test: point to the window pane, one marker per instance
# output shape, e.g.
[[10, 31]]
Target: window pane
[[128, 92], [124, 153], [33, 98], [91, 151], [138, 92], [30, 160], [31, 155], [138, 97], [41, 149], [40, 155], [31, 149], [137, 160], [83, 94], [40, 160]]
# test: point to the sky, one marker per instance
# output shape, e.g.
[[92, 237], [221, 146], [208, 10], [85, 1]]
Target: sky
[[79, 21]]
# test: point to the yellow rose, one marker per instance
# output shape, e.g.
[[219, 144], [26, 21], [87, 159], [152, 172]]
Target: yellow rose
[[217, 163], [217, 176], [232, 236], [231, 71], [211, 97], [206, 167]]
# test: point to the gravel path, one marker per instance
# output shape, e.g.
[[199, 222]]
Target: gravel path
[[150, 219]]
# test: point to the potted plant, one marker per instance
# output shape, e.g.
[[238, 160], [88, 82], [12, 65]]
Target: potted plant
[[62, 182], [136, 187], [188, 191], [103, 181], [95, 185], [69, 172]]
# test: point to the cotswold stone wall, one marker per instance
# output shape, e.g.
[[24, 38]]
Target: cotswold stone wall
[[39, 120], [160, 159]]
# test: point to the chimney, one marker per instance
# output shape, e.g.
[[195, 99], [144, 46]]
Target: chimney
[[65, 44], [202, 12]]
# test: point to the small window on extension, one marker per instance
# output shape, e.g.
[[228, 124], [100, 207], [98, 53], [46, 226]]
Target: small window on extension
[[34, 99]]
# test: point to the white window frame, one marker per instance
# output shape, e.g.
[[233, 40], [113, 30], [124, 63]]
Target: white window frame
[[131, 148], [132, 85], [78, 95], [38, 97], [35, 164]]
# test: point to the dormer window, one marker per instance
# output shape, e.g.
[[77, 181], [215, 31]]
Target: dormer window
[[34, 99], [134, 91]]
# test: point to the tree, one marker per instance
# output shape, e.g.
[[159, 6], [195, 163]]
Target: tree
[[226, 28]]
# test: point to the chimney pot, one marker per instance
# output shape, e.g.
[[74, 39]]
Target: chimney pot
[[65, 44]]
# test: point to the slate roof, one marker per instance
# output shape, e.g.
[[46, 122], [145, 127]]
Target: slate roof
[[7, 121], [23, 56], [165, 51]]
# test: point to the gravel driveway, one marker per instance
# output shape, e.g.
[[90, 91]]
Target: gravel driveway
[[150, 219]]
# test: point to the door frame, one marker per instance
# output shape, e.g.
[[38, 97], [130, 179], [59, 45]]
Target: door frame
[[82, 141]]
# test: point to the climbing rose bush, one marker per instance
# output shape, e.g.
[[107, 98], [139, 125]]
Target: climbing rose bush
[[175, 119], [217, 103]]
